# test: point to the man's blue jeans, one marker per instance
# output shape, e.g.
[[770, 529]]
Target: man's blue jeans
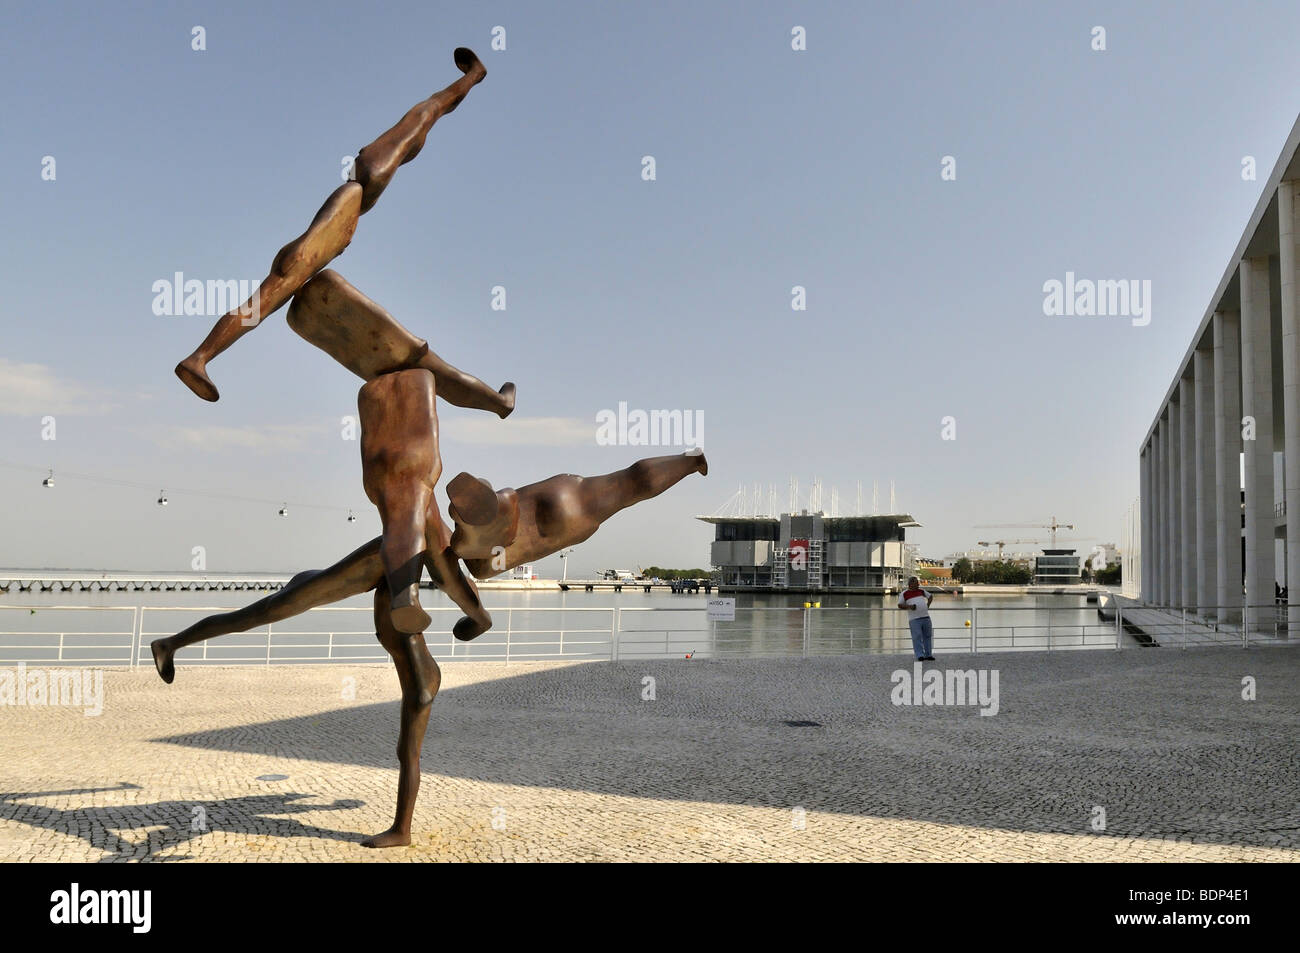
[[922, 636]]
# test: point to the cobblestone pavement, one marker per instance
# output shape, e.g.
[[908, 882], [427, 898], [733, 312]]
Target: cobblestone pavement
[[553, 761]]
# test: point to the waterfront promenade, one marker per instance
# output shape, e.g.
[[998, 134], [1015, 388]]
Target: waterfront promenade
[[565, 761]]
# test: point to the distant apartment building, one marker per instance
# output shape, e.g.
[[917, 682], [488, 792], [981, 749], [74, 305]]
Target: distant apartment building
[[1107, 554]]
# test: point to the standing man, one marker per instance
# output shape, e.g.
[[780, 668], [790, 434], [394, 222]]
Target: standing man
[[917, 603]]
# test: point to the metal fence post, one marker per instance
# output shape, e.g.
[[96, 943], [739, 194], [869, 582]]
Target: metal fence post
[[615, 623], [974, 630], [268, 643], [1183, 610], [1119, 625], [137, 623]]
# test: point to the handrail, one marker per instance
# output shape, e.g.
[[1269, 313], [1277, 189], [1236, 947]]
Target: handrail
[[644, 632]]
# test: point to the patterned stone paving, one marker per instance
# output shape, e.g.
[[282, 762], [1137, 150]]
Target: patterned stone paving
[[555, 761]]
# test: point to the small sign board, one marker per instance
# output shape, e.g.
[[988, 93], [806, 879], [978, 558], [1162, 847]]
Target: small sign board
[[722, 610]]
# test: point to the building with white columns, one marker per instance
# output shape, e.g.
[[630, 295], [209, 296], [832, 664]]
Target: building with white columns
[[1222, 455]]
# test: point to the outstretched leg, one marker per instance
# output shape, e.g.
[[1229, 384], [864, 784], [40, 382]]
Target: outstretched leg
[[377, 162], [358, 572], [329, 233], [331, 230], [333, 315], [420, 677], [605, 495]]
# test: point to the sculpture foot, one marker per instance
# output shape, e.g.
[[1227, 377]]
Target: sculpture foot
[[507, 393], [193, 372], [467, 629], [474, 499], [469, 64], [703, 465], [408, 616], [389, 838], [163, 659]]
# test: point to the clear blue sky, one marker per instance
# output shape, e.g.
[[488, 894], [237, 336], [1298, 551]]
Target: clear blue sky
[[775, 168]]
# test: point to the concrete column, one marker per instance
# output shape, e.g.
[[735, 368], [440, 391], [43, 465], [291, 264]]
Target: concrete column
[[1257, 403], [1187, 490], [1144, 513], [1207, 581], [1227, 461], [1288, 207], [1157, 523], [1174, 504], [1166, 579], [1160, 481]]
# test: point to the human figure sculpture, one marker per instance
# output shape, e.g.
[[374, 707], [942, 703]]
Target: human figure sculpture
[[400, 467], [367, 340], [330, 232], [570, 508], [495, 530], [507, 528]]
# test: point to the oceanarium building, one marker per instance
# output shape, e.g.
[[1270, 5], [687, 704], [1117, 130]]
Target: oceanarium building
[[809, 552], [1210, 538]]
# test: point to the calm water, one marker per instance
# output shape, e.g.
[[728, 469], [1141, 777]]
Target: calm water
[[572, 624]]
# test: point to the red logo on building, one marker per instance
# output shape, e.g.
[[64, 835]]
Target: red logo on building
[[798, 554]]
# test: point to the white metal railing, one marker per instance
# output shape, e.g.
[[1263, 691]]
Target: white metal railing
[[1243, 624], [66, 635], [67, 640]]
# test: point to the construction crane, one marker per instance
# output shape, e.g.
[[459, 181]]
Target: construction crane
[[1053, 526], [999, 543]]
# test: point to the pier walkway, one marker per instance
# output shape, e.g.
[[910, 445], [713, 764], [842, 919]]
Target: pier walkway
[[132, 582]]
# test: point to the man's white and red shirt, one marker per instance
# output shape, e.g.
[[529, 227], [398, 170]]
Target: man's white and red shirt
[[917, 598]]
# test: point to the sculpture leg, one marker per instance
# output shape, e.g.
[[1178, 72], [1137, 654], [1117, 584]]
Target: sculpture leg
[[402, 508], [466, 390], [420, 677], [377, 162], [333, 315], [331, 230], [605, 495], [329, 233], [358, 572]]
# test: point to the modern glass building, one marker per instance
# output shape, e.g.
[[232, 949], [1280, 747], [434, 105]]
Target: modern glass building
[[810, 552], [1057, 567]]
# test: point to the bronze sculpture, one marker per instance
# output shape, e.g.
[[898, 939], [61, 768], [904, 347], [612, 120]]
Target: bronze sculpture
[[330, 232], [569, 507], [401, 462]]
